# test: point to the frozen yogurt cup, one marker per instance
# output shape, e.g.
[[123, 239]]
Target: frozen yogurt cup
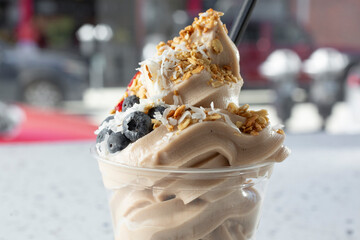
[[180, 157], [188, 203]]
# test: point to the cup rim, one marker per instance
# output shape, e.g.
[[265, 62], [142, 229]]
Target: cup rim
[[202, 171]]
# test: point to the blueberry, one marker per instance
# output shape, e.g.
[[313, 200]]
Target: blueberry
[[129, 102], [159, 109], [117, 142], [111, 117], [136, 125], [101, 136]]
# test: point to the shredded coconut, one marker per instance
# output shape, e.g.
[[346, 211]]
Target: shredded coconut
[[199, 113], [201, 50], [183, 116], [277, 127], [213, 110], [177, 100], [161, 118], [180, 70], [187, 67], [229, 122], [204, 14], [173, 121], [181, 47]]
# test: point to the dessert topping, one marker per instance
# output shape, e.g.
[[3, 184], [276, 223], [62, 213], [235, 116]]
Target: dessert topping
[[160, 109], [129, 102], [136, 125], [117, 142], [255, 120]]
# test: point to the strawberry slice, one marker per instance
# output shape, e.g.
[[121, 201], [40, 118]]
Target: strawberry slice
[[119, 105], [132, 80]]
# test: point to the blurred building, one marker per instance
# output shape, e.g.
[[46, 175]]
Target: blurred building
[[331, 22], [48, 23], [138, 25]]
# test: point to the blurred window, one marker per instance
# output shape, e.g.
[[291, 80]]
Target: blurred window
[[289, 34], [252, 33]]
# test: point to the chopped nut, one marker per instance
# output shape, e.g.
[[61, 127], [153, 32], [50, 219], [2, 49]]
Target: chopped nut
[[189, 28], [141, 93], [244, 108], [184, 124], [216, 46], [170, 127], [262, 112], [247, 114], [160, 48], [248, 181], [227, 67], [170, 114], [192, 61], [148, 71], [217, 84], [251, 121], [232, 108], [187, 76], [194, 121], [228, 79], [239, 124], [213, 117], [261, 120], [254, 133], [258, 127], [280, 131], [198, 69], [179, 111], [247, 129], [214, 68], [156, 123], [225, 28]]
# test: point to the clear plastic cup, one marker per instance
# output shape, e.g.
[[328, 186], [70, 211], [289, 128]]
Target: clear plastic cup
[[168, 203]]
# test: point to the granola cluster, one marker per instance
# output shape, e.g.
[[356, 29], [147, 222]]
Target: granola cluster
[[136, 88], [196, 58], [182, 117], [203, 24], [255, 120]]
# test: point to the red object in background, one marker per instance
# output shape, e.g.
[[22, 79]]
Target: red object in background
[[50, 125], [119, 105], [193, 7], [353, 80], [26, 31], [26, 10]]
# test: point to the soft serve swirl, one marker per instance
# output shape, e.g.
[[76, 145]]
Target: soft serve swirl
[[195, 79]]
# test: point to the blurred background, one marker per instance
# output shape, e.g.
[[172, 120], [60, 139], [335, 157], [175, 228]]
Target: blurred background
[[301, 58], [64, 64]]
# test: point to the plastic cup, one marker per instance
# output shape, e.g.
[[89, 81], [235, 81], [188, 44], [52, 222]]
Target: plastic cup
[[189, 203]]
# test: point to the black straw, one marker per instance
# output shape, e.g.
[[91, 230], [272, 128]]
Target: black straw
[[242, 20]]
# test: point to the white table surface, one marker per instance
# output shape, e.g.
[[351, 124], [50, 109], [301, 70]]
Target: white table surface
[[54, 191]]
